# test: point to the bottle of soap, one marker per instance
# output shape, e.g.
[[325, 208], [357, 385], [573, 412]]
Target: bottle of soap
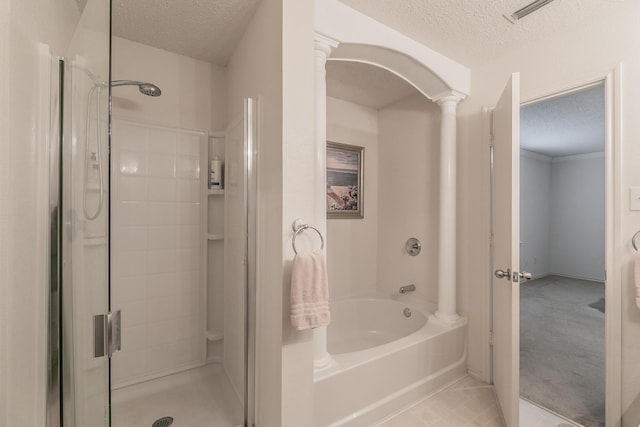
[[215, 174]]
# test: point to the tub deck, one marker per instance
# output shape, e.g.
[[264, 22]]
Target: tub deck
[[362, 387]]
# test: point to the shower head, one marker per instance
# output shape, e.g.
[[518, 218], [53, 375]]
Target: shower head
[[145, 88]]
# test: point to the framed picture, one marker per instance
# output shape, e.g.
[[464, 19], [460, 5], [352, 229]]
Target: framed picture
[[345, 170]]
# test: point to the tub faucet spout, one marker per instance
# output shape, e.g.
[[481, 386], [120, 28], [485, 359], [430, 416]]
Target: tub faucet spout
[[407, 288]]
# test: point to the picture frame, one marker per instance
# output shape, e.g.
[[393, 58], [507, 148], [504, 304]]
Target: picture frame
[[345, 179]]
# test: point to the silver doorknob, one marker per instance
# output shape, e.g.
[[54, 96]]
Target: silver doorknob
[[501, 274], [525, 275]]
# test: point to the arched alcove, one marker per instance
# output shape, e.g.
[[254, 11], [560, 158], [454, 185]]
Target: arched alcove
[[344, 34]]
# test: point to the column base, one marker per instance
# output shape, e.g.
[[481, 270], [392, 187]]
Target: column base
[[323, 362], [451, 320]]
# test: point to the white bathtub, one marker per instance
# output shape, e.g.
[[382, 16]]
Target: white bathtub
[[383, 360]]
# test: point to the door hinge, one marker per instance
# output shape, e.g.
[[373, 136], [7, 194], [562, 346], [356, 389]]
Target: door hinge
[[491, 339], [106, 334], [490, 239]]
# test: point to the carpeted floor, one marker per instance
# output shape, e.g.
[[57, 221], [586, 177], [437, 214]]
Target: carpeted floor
[[562, 347]]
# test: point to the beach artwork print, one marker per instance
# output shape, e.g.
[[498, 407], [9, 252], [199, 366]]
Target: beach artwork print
[[344, 180]]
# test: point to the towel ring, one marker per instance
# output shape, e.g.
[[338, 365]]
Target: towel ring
[[633, 240], [299, 229]]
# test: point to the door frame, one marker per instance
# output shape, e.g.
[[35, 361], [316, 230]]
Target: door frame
[[613, 210]]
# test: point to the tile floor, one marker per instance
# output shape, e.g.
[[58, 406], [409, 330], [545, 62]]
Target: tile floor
[[469, 402]]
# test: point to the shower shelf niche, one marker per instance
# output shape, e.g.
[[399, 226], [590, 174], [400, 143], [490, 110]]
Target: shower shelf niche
[[214, 335], [214, 234]]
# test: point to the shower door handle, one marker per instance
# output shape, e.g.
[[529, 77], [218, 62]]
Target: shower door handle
[[106, 334]]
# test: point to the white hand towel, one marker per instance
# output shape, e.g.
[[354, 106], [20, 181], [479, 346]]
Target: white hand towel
[[636, 271], [309, 291]]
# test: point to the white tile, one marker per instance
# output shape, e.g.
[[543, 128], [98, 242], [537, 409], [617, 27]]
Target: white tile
[[189, 281], [163, 308], [128, 289], [134, 313], [164, 285], [189, 236], [162, 165], [132, 263], [133, 163], [129, 364], [188, 190], [189, 144], [187, 304], [162, 141], [132, 188], [466, 403], [162, 190], [189, 213], [135, 337], [130, 137], [162, 237], [188, 167], [132, 238], [132, 213], [159, 213], [188, 259], [161, 261]]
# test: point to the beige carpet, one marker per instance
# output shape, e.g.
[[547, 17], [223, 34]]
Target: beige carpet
[[562, 347]]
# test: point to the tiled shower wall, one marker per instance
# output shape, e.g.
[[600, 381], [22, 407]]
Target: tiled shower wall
[[157, 249]]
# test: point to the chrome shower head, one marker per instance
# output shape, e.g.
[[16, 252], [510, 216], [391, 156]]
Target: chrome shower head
[[145, 88], [149, 89]]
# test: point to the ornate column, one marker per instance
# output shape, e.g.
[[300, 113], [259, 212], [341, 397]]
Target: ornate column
[[323, 47], [447, 230]]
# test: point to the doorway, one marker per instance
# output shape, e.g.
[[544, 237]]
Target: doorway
[[562, 243]]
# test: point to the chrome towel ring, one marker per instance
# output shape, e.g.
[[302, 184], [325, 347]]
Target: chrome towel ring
[[298, 227], [633, 240]]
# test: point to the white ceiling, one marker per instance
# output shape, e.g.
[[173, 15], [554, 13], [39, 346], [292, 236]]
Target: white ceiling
[[468, 31], [566, 125], [201, 29], [473, 31]]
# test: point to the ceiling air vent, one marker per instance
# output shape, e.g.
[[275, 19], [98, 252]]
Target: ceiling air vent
[[528, 9]]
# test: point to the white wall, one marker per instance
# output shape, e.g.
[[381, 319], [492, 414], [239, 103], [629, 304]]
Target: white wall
[[408, 182], [561, 61], [29, 31], [535, 212], [353, 243], [577, 245], [193, 91], [562, 215]]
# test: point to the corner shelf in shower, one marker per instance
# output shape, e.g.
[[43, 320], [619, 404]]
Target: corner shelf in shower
[[215, 192], [215, 335], [213, 237]]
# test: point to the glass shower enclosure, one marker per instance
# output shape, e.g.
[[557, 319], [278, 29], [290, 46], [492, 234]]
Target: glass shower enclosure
[[92, 328]]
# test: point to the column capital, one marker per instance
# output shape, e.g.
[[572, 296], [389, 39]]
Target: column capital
[[324, 44], [449, 97]]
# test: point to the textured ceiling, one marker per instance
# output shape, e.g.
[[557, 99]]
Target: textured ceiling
[[473, 31], [202, 29], [566, 125], [365, 84]]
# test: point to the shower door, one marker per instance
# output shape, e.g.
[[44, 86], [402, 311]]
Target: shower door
[[85, 220]]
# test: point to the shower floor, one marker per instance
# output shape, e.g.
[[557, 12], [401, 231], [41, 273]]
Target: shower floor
[[194, 398]]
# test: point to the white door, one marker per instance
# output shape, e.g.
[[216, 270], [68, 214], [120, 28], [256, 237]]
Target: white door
[[506, 249]]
